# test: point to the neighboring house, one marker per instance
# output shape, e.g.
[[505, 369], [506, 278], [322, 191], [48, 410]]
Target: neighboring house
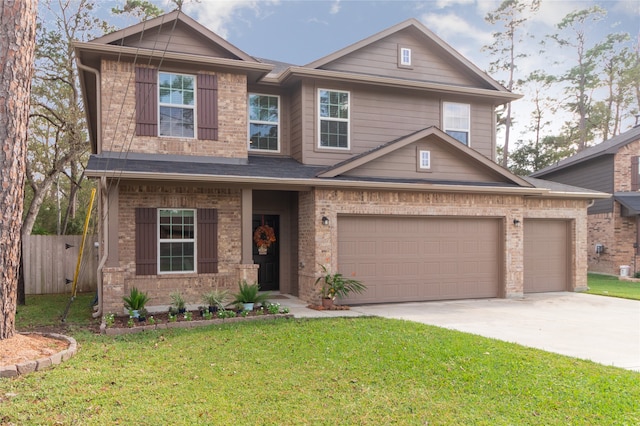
[[611, 167], [375, 161]]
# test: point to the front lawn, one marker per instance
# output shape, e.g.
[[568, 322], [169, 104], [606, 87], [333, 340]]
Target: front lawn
[[367, 371], [607, 285]]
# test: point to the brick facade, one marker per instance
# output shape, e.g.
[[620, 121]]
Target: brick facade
[[118, 281], [119, 117], [321, 246], [617, 233]]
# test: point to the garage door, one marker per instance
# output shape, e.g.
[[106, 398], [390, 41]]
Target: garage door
[[403, 259], [546, 255]]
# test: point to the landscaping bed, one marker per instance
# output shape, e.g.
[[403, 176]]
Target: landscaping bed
[[189, 319]]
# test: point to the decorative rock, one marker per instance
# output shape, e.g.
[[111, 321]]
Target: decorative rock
[[26, 367], [8, 371]]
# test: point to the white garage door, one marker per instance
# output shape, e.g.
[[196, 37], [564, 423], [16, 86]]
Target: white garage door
[[403, 259]]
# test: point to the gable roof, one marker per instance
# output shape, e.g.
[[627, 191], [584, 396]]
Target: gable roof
[[608, 147], [424, 32], [394, 145], [177, 16]]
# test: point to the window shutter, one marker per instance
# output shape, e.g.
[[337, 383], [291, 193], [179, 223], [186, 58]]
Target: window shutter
[[146, 241], [634, 173], [146, 101], [207, 241], [207, 107]]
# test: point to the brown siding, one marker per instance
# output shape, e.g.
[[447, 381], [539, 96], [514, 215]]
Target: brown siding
[[429, 62], [146, 102], [179, 39], [634, 173], [378, 116], [207, 107], [146, 241], [207, 241], [295, 123], [446, 164]]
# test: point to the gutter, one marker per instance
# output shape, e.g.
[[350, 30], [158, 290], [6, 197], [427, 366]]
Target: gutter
[[304, 184]]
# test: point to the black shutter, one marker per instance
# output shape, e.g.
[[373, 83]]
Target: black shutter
[[207, 107], [146, 101], [146, 241], [207, 241]]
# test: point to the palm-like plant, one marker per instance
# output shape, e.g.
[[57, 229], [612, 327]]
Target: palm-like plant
[[216, 298], [178, 301], [136, 300], [336, 285], [250, 293]]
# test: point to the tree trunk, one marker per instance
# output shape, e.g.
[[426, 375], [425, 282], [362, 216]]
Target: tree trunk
[[17, 46]]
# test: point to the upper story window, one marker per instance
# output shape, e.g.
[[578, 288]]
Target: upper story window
[[334, 119], [457, 121], [177, 238], [264, 122], [405, 57], [424, 160], [176, 105]]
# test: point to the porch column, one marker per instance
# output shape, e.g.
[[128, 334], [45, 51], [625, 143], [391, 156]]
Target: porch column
[[246, 220]]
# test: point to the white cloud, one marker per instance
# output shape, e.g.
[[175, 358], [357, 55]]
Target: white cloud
[[442, 4], [335, 7], [452, 27], [629, 7], [217, 14]]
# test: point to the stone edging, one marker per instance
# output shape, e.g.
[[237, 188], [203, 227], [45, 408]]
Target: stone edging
[[186, 324], [42, 363]]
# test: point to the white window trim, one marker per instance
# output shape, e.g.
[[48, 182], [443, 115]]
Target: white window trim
[[194, 107], [249, 121], [344, 120], [445, 128], [182, 240], [401, 60], [421, 156]]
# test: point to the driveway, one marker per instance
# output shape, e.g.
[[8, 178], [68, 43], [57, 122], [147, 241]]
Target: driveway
[[597, 328]]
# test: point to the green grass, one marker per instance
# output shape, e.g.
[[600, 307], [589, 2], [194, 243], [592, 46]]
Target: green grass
[[607, 285], [47, 310], [364, 371]]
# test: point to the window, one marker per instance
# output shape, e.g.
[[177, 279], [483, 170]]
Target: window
[[176, 240], [177, 105], [457, 121], [424, 159], [172, 233], [264, 121], [334, 119], [405, 57]]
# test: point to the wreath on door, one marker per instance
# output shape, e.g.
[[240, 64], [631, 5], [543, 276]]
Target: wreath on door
[[264, 236]]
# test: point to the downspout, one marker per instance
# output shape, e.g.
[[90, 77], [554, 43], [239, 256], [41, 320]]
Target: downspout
[[104, 238], [104, 205]]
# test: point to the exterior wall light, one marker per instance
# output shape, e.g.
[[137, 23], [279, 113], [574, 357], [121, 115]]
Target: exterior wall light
[[516, 222], [325, 220]]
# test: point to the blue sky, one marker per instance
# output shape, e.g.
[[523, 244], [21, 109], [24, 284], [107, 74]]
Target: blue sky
[[300, 32]]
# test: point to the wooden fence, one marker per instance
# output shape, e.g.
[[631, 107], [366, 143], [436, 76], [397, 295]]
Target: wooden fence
[[50, 264]]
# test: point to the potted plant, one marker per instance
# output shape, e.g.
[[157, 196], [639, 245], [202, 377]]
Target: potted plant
[[249, 295], [336, 285], [177, 301], [135, 301], [215, 299]]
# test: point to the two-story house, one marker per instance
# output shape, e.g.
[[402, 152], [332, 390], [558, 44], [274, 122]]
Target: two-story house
[[375, 161], [611, 167]]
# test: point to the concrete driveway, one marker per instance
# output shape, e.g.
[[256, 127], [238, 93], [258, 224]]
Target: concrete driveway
[[597, 328]]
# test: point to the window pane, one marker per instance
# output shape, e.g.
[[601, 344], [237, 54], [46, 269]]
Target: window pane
[[176, 122], [263, 136], [461, 136], [334, 134]]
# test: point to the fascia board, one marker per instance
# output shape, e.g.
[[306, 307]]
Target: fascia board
[[301, 72], [230, 64]]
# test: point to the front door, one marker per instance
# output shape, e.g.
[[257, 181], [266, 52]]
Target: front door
[[269, 261]]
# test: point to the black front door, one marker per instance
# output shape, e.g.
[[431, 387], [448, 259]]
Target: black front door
[[269, 262]]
